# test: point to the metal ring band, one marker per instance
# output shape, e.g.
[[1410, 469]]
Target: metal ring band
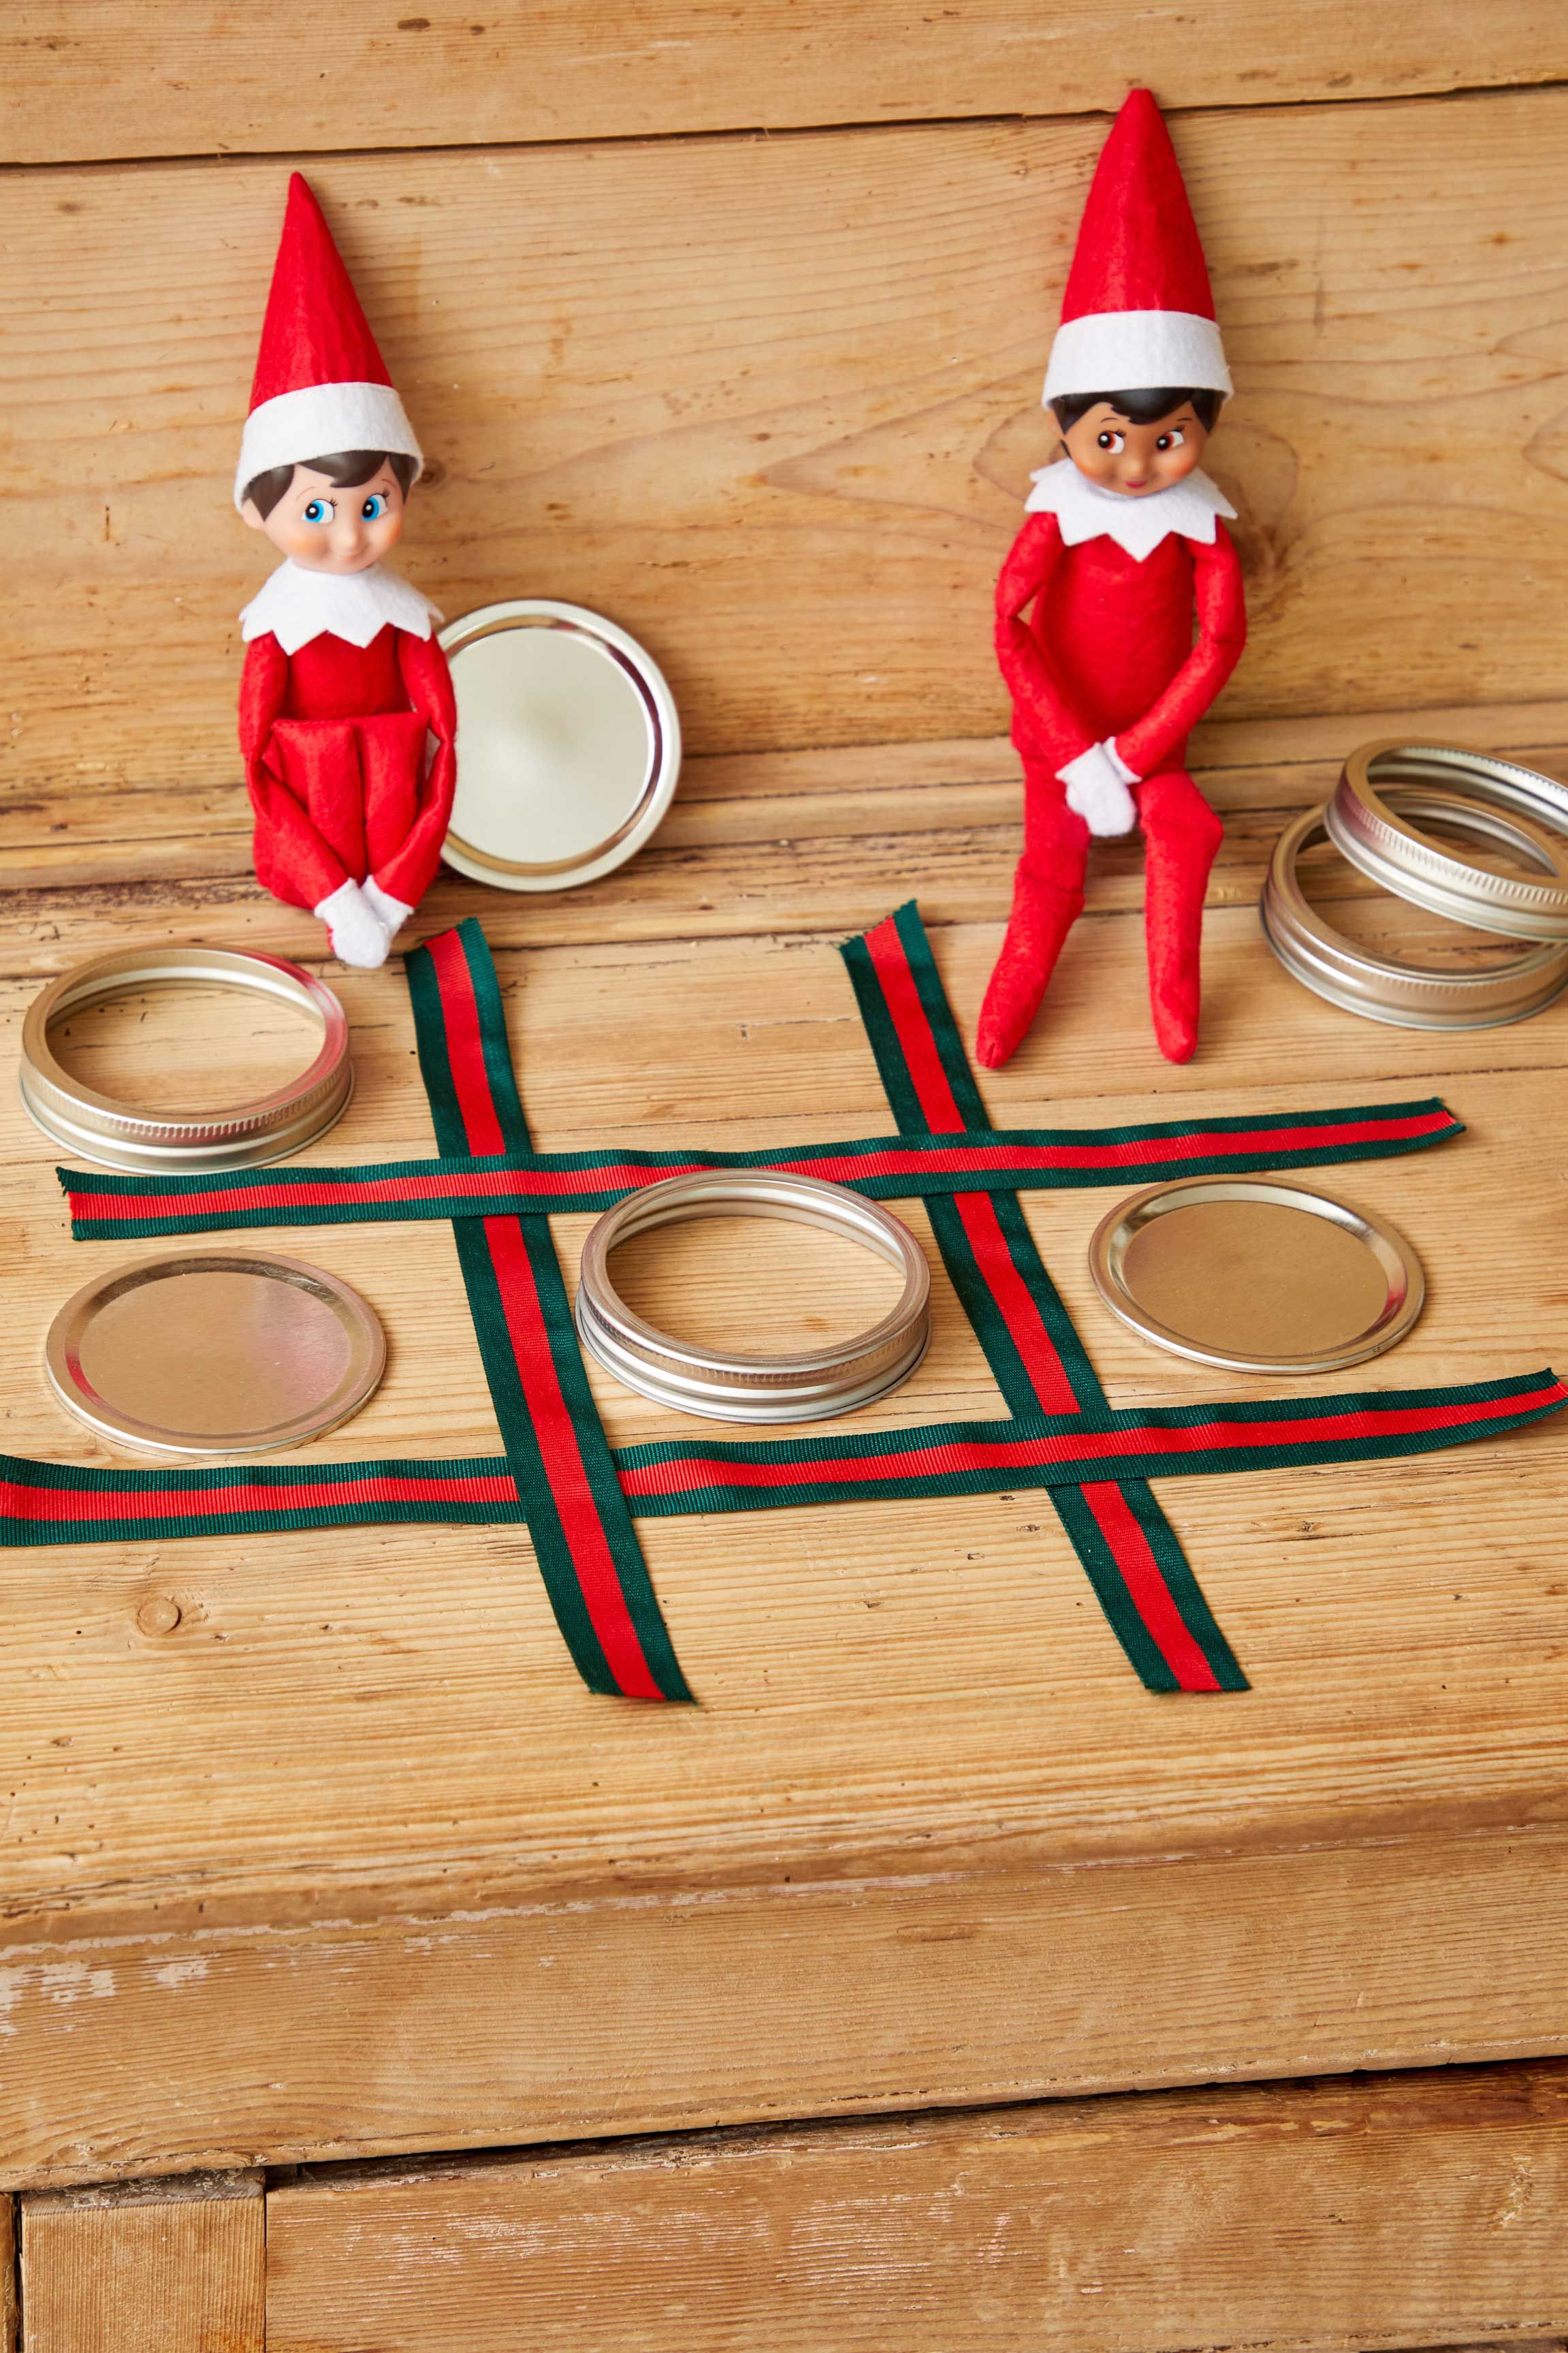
[[1408, 995], [1366, 828], [185, 1143], [720, 1384]]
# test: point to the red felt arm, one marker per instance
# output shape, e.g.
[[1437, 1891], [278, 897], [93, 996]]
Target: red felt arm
[[292, 860], [407, 874], [1147, 744], [1045, 722]]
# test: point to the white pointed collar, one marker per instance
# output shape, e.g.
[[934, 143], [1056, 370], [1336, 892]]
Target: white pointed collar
[[295, 605], [1083, 511]]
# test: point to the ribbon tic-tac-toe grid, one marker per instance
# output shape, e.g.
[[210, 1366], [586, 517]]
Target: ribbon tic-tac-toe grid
[[580, 1497]]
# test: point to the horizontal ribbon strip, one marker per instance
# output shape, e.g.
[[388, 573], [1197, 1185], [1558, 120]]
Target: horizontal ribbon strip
[[1063, 1449], [53, 1503], [109, 1207]]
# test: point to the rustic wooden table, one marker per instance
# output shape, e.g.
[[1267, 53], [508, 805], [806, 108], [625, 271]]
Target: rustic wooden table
[[316, 1853], [317, 1848]]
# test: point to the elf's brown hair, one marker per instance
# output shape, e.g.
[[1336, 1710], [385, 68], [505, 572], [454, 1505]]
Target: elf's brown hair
[[1139, 407], [344, 468]]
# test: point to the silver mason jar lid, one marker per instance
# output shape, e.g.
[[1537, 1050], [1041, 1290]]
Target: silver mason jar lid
[[571, 745], [189, 1140], [211, 1353], [1411, 997], [720, 1385], [1257, 1273], [1369, 827]]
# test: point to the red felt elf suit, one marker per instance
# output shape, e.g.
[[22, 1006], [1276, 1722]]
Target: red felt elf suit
[[347, 721], [1104, 674]]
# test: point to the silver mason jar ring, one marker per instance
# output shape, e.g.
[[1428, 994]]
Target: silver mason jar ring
[[188, 1141], [1367, 823], [1409, 996], [723, 1385]]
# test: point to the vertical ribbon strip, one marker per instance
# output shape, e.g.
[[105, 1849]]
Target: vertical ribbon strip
[[1128, 1548], [587, 1549]]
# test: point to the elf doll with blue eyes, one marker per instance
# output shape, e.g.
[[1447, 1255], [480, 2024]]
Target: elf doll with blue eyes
[[346, 716], [1122, 546]]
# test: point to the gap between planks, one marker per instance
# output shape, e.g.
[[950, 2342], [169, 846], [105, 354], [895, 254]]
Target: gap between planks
[[188, 82], [203, 832]]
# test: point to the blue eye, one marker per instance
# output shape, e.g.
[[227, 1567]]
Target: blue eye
[[315, 510], [374, 508]]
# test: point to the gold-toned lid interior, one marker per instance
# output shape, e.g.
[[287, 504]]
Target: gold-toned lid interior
[[1256, 1276], [1256, 1273]]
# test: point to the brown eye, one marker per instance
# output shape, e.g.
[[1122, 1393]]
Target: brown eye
[[1109, 440], [1174, 439]]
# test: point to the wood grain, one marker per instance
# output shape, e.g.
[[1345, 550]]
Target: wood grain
[[926, 1841], [149, 2267], [1285, 2219], [84, 81], [774, 403], [917, 1844], [10, 2317], [478, 2023], [73, 835]]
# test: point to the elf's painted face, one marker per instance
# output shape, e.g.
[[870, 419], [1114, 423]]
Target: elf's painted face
[[1135, 459], [324, 529]]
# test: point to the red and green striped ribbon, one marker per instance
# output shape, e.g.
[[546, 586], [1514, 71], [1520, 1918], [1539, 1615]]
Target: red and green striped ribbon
[[109, 1207], [1127, 1547], [578, 1497], [59, 1502], [976, 1458], [588, 1553]]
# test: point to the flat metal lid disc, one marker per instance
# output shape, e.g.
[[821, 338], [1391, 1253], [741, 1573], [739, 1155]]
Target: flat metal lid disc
[[1256, 1275], [215, 1354], [568, 746]]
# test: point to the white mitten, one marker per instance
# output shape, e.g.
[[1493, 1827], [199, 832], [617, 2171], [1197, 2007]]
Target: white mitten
[[353, 929], [1097, 784], [390, 914]]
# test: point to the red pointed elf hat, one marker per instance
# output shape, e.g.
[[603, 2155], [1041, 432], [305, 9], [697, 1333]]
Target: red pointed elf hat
[[1138, 311], [321, 384]]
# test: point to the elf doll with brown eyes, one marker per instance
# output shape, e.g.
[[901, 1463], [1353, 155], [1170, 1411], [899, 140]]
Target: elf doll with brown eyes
[[346, 716], [1122, 548]]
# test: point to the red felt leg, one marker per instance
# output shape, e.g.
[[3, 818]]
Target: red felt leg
[[1181, 835], [392, 748], [1047, 899], [320, 762]]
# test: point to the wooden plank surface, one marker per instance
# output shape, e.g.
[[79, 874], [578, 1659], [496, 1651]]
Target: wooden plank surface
[[9, 2315], [850, 1984], [780, 422], [74, 835], [149, 2267], [315, 1845], [926, 1833], [87, 81], [1292, 2219]]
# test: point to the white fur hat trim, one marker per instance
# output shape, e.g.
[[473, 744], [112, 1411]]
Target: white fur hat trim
[[1136, 351], [318, 421]]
